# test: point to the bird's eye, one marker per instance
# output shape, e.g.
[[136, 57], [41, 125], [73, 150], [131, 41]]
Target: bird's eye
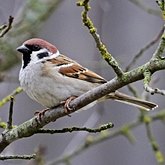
[[33, 47]]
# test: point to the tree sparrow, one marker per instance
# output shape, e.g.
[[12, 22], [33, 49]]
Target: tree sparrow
[[50, 78]]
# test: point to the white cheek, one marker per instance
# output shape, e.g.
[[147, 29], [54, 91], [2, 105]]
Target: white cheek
[[34, 57], [34, 54]]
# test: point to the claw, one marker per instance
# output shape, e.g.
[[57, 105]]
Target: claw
[[40, 114], [66, 103]]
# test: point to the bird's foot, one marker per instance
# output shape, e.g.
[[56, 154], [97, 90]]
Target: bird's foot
[[66, 103], [40, 114]]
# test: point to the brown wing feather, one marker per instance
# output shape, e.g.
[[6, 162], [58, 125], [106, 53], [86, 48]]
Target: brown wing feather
[[77, 71], [72, 69], [60, 60]]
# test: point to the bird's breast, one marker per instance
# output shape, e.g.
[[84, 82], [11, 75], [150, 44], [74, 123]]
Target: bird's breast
[[48, 87]]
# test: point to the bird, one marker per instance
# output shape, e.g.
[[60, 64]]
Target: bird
[[51, 78]]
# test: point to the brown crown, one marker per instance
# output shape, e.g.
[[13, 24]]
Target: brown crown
[[42, 43]]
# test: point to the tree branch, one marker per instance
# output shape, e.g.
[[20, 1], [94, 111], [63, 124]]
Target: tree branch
[[30, 127], [25, 157], [93, 31], [10, 119], [5, 28], [72, 129], [146, 47], [155, 146], [145, 8]]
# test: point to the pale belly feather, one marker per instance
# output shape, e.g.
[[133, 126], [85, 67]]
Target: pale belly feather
[[50, 91]]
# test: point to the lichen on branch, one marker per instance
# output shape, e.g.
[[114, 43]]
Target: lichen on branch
[[107, 56]]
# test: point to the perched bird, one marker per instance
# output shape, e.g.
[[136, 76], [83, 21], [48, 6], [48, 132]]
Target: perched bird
[[51, 78]]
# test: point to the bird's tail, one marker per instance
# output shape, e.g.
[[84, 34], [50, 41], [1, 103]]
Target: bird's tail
[[118, 96]]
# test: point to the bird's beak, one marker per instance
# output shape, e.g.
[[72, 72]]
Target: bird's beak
[[23, 49]]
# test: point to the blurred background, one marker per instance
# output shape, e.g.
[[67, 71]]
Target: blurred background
[[125, 28]]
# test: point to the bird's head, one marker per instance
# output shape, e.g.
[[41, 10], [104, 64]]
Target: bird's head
[[34, 50]]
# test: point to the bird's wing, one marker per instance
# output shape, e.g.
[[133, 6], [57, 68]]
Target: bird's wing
[[70, 68]]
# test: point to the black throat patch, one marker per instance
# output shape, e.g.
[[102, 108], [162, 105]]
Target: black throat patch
[[26, 59]]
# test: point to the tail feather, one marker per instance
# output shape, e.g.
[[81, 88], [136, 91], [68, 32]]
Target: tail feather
[[118, 96]]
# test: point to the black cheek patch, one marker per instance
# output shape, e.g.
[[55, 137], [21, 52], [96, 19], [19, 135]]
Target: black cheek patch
[[42, 55]]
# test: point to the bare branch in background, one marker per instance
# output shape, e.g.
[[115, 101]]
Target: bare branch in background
[[5, 28], [10, 119], [145, 48], [154, 144], [25, 157], [73, 129], [8, 98], [145, 8], [101, 47]]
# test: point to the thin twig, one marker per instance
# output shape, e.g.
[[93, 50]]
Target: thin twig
[[160, 49], [93, 31], [155, 146], [25, 157], [146, 119], [10, 119], [7, 27], [8, 98], [146, 81], [91, 141], [147, 87], [156, 57], [72, 129], [145, 8], [140, 53]]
